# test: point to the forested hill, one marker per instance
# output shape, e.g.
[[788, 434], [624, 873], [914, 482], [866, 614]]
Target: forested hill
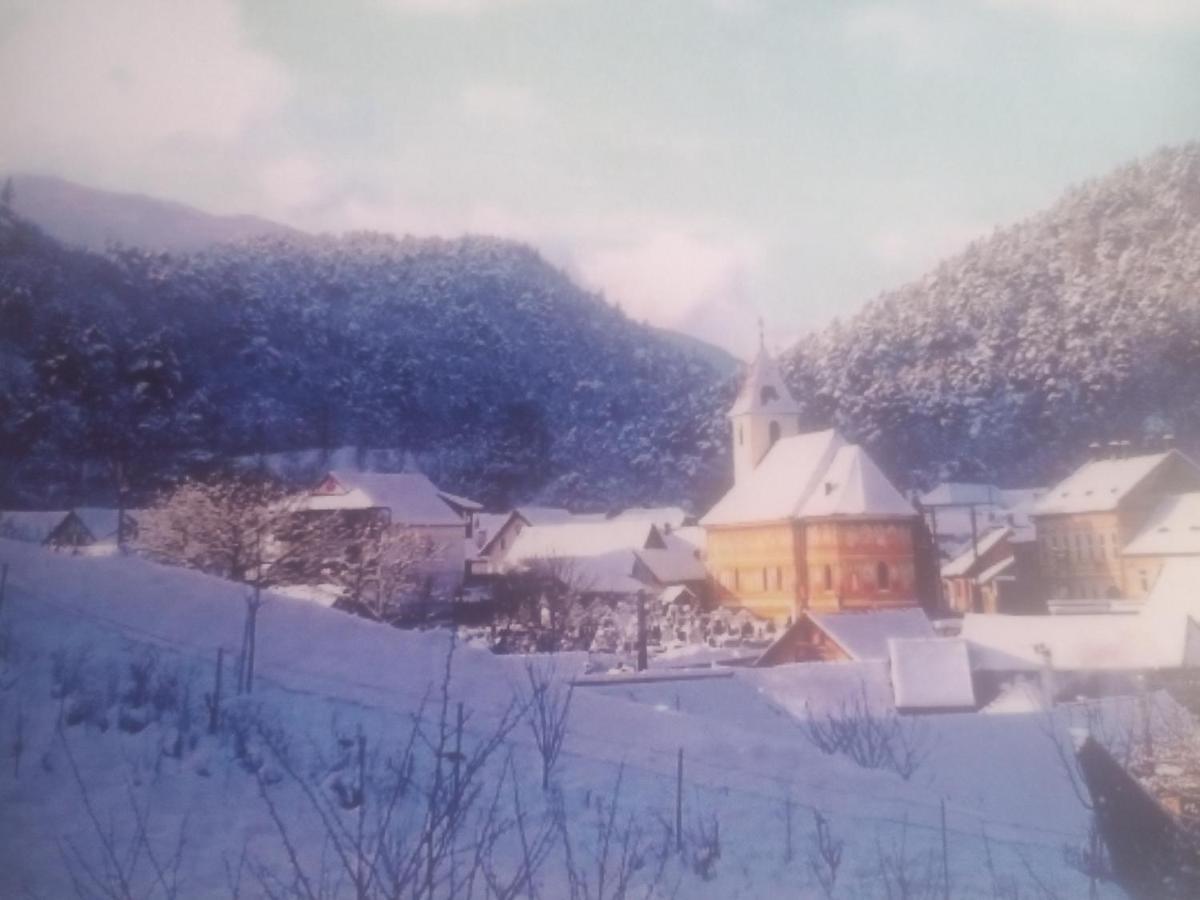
[[501, 376], [1080, 324]]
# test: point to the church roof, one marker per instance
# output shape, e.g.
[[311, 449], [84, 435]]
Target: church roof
[[814, 475], [764, 390]]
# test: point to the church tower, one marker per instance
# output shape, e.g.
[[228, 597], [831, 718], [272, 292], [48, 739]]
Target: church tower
[[764, 412]]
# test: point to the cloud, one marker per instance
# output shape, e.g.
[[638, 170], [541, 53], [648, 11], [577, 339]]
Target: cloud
[[125, 78], [489, 103], [1148, 14], [293, 183]]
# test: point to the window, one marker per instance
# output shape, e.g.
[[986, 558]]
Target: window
[[767, 394], [764, 574], [829, 578], [882, 576], [737, 579], [778, 578], [774, 433]]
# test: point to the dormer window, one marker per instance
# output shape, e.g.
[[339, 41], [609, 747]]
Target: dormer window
[[767, 394]]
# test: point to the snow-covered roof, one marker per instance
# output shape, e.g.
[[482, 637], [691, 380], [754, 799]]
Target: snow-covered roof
[[663, 516], [1173, 601], [963, 563], [410, 496], [488, 527], [693, 535], [582, 539], [33, 526], [865, 635], [460, 502], [961, 493], [1002, 643], [931, 673], [673, 564], [1016, 698], [1173, 528], [554, 515], [603, 573], [823, 688], [812, 475], [764, 390], [1100, 485], [674, 593]]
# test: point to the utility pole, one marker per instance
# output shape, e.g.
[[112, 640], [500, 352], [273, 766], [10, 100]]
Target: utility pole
[[679, 803]]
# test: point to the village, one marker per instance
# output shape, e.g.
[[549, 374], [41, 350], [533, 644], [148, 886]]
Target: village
[[964, 599]]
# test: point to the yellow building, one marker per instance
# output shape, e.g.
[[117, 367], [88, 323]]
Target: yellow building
[[811, 521]]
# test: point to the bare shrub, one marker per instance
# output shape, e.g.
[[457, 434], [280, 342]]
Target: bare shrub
[[548, 706], [825, 854], [904, 874], [873, 740]]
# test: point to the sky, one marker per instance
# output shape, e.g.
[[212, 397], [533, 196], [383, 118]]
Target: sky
[[703, 163]]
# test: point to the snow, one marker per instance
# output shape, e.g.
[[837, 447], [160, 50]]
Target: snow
[[865, 635], [931, 673], [1002, 643], [999, 570], [325, 674], [580, 539], [554, 515], [1019, 696], [693, 535], [410, 496], [102, 523], [464, 503], [1172, 528], [33, 526], [673, 565], [810, 475], [963, 563], [1100, 485]]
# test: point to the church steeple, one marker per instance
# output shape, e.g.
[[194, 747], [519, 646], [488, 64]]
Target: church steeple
[[764, 412]]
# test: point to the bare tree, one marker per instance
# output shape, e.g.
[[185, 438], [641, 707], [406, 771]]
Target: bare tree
[[387, 573], [825, 855], [247, 530], [549, 709]]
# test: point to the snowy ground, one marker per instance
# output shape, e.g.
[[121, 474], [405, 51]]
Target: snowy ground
[[77, 766]]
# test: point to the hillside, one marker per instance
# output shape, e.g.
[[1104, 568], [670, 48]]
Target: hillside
[[87, 217], [503, 378], [106, 674], [1080, 324]]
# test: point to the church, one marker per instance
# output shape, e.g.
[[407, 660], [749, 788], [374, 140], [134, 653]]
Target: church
[[811, 522]]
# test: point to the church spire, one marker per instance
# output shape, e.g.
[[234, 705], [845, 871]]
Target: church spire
[[764, 412]]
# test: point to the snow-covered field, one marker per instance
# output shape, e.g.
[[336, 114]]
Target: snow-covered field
[[113, 786]]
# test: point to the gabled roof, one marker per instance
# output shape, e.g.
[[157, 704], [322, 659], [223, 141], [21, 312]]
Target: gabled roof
[[673, 565], [1101, 484], [411, 497], [582, 539], [554, 515], [458, 502], [30, 525], [100, 522], [1005, 570], [962, 564], [764, 390], [490, 525], [1173, 528], [865, 635], [811, 475], [931, 673]]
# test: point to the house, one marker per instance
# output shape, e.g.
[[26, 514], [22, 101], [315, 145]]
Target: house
[[811, 522], [406, 501], [998, 574], [1085, 523], [959, 513], [848, 636], [1171, 531], [931, 675]]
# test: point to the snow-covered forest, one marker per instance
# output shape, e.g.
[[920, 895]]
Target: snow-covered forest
[[1081, 324]]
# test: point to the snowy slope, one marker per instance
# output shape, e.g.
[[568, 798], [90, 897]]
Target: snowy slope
[[325, 675]]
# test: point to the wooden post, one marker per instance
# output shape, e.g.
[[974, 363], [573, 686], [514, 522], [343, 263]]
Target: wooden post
[[458, 733], [643, 662], [214, 709], [679, 803], [945, 855]]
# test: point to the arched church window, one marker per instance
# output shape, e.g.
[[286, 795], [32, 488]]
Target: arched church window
[[829, 578], [774, 432], [883, 576], [767, 393]]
